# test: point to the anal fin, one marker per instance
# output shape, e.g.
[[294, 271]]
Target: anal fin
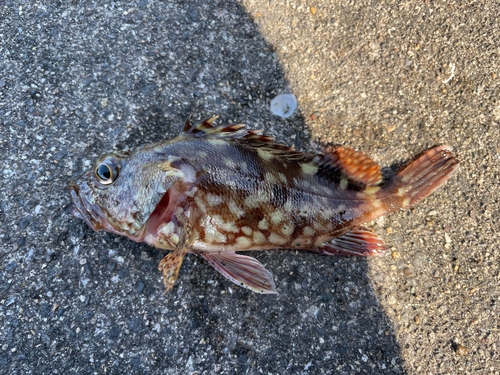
[[242, 270], [356, 242]]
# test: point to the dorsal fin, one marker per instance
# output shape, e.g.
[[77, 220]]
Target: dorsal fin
[[236, 133], [355, 165], [202, 127]]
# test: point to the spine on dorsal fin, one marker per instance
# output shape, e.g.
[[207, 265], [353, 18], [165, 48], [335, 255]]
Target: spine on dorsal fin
[[206, 128], [202, 127], [355, 165]]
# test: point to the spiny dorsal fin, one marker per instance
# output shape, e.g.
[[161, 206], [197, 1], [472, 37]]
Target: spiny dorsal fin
[[234, 131], [355, 165], [202, 127], [253, 138]]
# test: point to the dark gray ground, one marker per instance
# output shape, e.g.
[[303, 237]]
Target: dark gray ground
[[393, 79]]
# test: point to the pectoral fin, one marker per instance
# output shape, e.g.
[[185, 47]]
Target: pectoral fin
[[243, 270], [356, 242], [170, 265]]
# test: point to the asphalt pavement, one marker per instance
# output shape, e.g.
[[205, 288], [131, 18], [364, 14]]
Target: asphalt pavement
[[393, 79]]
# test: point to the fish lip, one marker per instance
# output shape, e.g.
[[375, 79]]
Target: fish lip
[[82, 209], [75, 212]]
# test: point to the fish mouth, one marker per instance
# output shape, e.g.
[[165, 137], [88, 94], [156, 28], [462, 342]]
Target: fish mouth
[[74, 211], [83, 210]]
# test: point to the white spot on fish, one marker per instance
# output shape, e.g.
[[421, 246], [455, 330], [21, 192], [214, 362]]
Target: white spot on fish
[[228, 226], [288, 230], [406, 202], [282, 178], [343, 183], [213, 200], [215, 141], [319, 227], [308, 231], [253, 201], [266, 155], [276, 216], [243, 242], [309, 168], [372, 189], [401, 191], [235, 209], [199, 202], [212, 235], [277, 240], [263, 224], [258, 238], [167, 229], [288, 206], [271, 178], [247, 230]]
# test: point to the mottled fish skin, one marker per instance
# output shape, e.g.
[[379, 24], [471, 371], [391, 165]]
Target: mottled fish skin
[[233, 189]]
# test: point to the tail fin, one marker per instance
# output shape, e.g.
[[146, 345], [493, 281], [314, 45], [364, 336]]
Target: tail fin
[[423, 176]]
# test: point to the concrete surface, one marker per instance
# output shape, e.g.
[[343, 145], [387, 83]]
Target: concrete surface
[[393, 79]]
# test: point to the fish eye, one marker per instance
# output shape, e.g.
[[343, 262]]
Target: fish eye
[[107, 171]]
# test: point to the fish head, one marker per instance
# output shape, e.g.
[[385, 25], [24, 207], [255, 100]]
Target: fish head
[[121, 190]]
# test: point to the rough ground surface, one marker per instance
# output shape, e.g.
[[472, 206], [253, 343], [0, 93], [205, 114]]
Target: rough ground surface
[[78, 78]]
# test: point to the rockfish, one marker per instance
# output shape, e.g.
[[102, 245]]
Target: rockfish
[[216, 190]]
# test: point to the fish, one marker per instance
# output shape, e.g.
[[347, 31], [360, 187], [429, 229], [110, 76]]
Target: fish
[[218, 190]]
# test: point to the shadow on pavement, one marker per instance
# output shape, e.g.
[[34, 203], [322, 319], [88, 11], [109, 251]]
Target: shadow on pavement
[[108, 74]]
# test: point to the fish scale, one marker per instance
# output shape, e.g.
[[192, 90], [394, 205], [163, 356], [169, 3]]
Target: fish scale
[[216, 190]]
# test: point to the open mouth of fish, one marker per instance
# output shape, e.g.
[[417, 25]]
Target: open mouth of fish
[[81, 209]]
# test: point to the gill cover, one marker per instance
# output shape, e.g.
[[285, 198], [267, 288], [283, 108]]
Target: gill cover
[[138, 190]]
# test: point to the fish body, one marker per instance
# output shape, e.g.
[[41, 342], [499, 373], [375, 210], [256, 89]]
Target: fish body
[[219, 190]]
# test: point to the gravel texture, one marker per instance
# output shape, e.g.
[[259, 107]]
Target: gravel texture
[[78, 78]]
